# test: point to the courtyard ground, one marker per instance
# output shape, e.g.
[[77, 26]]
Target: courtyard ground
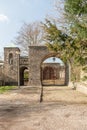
[[62, 109]]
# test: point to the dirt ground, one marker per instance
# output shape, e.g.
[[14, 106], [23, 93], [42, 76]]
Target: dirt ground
[[62, 109]]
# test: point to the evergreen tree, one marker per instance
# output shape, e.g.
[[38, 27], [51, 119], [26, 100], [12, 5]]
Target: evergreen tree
[[60, 42], [73, 45], [76, 13]]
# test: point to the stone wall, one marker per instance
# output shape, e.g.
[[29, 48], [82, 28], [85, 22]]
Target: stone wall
[[37, 54], [57, 69], [81, 87], [24, 61], [1, 73]]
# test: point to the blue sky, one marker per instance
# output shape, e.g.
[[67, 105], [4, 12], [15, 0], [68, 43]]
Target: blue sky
[[13, 13], [57, 60]]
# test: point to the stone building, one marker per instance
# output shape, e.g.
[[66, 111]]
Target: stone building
[[11, 65], [53, 74], [1, 72], [15, 65]]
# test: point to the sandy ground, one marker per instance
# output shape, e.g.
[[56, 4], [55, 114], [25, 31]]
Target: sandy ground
[[62, 109]]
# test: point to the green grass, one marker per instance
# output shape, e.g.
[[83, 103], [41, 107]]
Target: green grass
[[6, 88]]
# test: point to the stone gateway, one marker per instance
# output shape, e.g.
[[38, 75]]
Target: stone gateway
[[31, 70]]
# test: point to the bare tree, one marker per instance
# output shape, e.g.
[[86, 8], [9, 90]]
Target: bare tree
[[29, 34]]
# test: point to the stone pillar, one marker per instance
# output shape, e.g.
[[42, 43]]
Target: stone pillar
[[36, 54], [67, 74], [11, 66]]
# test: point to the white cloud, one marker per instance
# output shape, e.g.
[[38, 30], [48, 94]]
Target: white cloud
[[3, 18]]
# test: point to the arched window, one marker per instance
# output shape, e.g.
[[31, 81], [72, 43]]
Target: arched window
[[11, 59]]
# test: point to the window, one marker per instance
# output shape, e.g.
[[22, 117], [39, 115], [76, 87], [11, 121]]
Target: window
[[11, 59]]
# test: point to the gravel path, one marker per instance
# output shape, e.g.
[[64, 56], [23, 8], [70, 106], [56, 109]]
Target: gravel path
[[62, 109]]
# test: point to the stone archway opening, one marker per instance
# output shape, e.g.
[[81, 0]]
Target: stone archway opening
[[53, 72], [24, 76], [37, 56]]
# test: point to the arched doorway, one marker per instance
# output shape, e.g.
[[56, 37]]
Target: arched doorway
[[37, 55], [24, 76], [53, 71]]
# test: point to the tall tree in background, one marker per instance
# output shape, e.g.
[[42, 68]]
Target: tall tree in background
[[76, 14], [73, 43], [64, 45], [74, 18], [29, 34]]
